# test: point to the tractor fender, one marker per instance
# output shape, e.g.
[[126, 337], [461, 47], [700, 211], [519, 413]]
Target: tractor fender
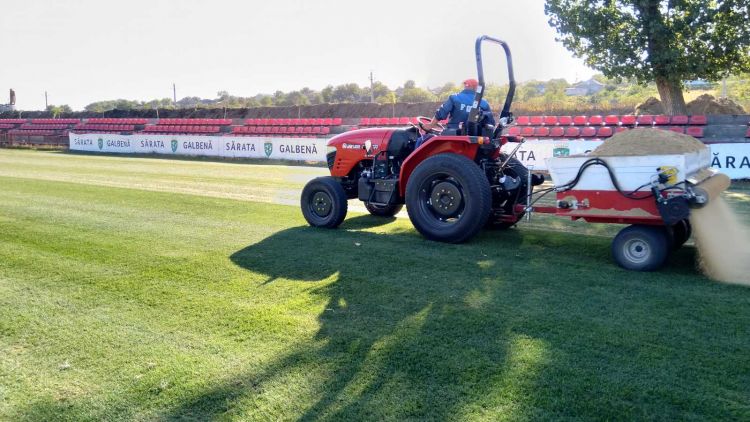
[[461, 145]]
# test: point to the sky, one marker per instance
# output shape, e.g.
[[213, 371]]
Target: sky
[[81, 51]]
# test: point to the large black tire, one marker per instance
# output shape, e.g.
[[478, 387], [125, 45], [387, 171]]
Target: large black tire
[[641, 248], [448, 198], [383, 210], [517, 169], [323, 202]]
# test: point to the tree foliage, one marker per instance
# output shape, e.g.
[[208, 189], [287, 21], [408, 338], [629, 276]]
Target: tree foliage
[[665, 41]]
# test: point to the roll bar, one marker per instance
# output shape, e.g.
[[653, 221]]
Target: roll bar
[[474, 115]]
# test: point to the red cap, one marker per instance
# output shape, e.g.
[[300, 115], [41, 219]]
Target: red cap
[[471, 83]]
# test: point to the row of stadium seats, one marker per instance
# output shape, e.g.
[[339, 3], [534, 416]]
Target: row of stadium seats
[[13, 121], [125, 121], [182, 129], [35, 132], [336, 121], [200, 122], [33, 126], [281, 130], [590, 131], [56, 121], [611, 120], [386, 121], [115, 128]]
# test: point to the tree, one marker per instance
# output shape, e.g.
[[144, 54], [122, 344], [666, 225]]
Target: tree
[[664, 41], [347, 93], [417, 95], [57, 110]]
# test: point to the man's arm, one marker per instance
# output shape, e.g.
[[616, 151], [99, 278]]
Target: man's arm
[[441, 113]]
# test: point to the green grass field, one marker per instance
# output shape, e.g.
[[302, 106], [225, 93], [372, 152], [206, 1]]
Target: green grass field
[[151, 289]]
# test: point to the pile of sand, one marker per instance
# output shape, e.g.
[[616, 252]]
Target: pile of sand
[[647, 142], [650, 106], [707, 104]]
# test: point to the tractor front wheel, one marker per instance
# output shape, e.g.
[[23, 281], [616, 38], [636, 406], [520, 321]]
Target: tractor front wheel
[[448, 198], [323, 202], [383, 210], [641, 248]]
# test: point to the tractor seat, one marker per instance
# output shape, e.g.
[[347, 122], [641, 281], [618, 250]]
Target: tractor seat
[[401, 143]]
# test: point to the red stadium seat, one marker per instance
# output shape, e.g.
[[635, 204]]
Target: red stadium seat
[[514, 131], [661, 120], [572, 132], [604, 132], [316, 130], [557, 132], [393, 121], [696, 132], [588, 132], [325, 131], [336, 121], [527, 131], [564, 120], [364, 121], [580, 120], [550, 120], [541, 131], [612, 120], [596, 120], [698, 120], [403, 120], [327, 121], [536, 120], [522, 120], [645, 120], [678, 129], [679, 120], [628, 120]]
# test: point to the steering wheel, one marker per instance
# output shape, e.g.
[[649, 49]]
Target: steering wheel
[[422, 120]]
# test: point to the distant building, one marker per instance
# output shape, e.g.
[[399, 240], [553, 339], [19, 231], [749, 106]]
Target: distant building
[[7, 107], [592, 86], [698, 84]]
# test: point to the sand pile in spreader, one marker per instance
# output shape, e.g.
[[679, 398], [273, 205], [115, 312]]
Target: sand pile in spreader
[[723, 242], [647, 142]]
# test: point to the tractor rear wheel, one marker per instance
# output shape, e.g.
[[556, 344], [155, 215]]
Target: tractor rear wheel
[[383, 210], [448, 198], [323, 202], [641, 248]]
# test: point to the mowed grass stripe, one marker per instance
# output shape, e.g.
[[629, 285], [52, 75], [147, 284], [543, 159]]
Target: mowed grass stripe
[[167, 306]]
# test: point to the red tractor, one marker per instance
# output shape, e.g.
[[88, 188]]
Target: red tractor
[[453, 185]]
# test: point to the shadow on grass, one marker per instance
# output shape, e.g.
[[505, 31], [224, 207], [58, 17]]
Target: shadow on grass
[[520, 324], [232, 160], [419, 330]]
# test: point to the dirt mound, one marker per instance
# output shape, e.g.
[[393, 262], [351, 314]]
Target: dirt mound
[[650, 106], [708, 104], [647, 142]]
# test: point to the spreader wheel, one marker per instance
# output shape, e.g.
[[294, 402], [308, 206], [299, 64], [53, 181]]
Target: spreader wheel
[[383, 210], [641, 248], [323, 202], [448, 198], [681, 233]]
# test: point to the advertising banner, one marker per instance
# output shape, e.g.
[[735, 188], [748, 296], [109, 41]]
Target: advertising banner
[[298, 149]]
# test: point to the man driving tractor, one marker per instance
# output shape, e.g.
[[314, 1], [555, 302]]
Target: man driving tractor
[[457, 108]]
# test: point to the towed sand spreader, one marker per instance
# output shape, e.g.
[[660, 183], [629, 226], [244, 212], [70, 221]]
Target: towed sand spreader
[[654, 194]]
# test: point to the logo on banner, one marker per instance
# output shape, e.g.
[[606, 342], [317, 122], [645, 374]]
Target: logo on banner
[[561, 150], [174, 145], [101, 143], [268, 148]]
